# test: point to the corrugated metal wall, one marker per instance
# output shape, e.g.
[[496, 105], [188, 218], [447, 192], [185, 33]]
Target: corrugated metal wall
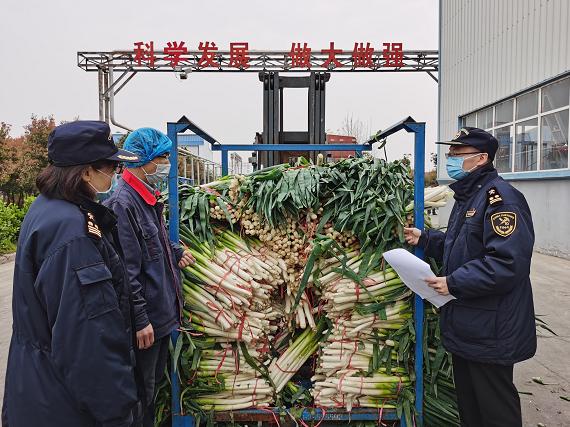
[[491, 49]]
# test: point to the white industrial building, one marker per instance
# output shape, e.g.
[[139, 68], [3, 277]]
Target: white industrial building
[[505, 67]]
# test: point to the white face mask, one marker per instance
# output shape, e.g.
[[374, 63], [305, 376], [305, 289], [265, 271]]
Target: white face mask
[[160, 176]]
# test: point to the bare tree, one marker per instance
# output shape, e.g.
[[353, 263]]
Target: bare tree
[[433, 158], [355, 127]]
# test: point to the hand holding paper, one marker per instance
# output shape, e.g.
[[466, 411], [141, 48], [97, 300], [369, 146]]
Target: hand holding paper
[[439, 284], [414, 272]]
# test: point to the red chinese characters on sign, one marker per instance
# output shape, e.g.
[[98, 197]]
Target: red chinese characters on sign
[[239, 55], [174, 52], [393, 54], [332, 61], [144, 52], [300, 55], [362, 55], [208, 58]]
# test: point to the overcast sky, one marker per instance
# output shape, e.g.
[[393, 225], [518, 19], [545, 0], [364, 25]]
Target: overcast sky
[[39, 74]]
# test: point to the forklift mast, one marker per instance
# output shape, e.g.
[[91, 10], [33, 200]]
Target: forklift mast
[[273, 133]]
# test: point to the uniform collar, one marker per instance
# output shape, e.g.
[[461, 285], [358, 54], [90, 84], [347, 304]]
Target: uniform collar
[[473, 182], [141, 188], [104, 217]]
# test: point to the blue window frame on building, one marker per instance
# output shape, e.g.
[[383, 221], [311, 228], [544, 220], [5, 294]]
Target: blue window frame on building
[[532, 129]]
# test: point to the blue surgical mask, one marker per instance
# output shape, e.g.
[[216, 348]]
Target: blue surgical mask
[[159, 177], [454, 167], [103, 195]]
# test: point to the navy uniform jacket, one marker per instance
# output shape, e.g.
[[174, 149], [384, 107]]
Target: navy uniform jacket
[[150, 257], [486, 253], [71, 359]]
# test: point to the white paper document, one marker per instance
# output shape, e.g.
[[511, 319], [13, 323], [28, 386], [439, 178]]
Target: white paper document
[[413, 272]]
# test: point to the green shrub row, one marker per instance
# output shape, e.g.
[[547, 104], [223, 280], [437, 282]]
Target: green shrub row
[[11, 217]]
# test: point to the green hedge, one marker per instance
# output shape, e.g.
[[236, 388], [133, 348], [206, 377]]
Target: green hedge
[[11, 217]]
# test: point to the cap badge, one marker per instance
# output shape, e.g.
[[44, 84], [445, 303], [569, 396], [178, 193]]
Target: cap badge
[[123, 157], [461, 131]]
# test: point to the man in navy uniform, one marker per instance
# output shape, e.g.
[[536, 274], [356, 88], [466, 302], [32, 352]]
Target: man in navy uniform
[[152, 261], [486, 255]]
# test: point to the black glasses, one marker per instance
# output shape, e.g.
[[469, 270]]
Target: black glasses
[[448, 155]]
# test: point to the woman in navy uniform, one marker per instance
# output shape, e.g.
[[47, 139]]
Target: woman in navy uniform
[[71, 361], [486, 254]]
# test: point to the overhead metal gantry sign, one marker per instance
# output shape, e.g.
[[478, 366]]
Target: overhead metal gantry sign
[[256, 61], [176, 58]]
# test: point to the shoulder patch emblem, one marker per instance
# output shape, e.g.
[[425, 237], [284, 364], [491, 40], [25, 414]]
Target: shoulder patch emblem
[[92, 227], [504, 223], [493, 196]]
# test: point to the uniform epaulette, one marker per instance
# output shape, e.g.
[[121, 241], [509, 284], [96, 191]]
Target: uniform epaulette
[[93, 230], [493, 196]]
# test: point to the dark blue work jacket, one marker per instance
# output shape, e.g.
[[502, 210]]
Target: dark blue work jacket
[[486, 253], [150, 257], [71, 359]]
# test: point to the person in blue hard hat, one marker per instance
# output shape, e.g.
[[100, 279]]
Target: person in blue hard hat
[[153, 261], [71, 358], [486, 255]]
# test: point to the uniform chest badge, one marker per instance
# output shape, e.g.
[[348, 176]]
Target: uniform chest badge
[[470, 213], [504, 223]]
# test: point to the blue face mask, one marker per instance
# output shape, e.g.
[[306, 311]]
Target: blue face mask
[[103, 195], [454, 167]]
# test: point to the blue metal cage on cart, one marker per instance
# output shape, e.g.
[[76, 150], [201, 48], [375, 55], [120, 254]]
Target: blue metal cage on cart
[[331, 415]]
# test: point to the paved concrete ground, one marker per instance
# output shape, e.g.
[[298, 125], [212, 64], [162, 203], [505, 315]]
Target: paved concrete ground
[[551, 284], [6, 273]]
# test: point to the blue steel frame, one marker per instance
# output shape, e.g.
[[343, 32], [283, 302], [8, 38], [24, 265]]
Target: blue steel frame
[[410, 126], [225, 149]]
